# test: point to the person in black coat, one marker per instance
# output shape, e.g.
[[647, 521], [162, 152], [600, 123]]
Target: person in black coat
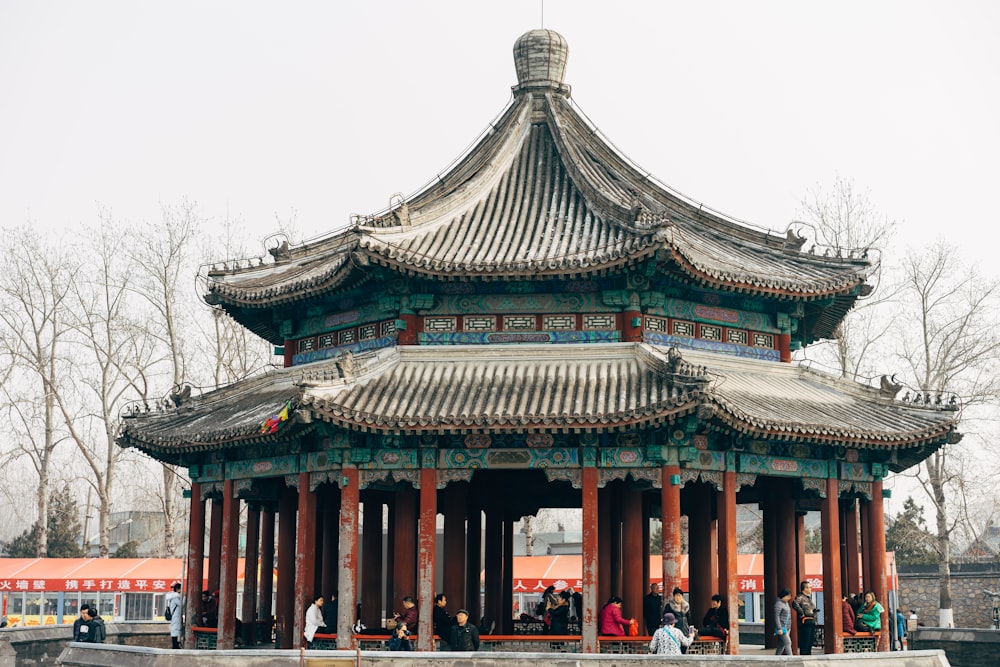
[[716, 621], [79, 621], [652, 608], [330, 613], [464, 636], [559, 615], [443, 622]]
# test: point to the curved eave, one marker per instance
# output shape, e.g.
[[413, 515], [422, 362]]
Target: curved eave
[[770, 287], [303, 274], [176, 450], [740, 422]]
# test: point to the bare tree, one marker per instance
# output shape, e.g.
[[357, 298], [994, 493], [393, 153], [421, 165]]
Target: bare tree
[[950, 343], [233, 351], [165, 263], [112, 355], [33, 328], [844, 218]]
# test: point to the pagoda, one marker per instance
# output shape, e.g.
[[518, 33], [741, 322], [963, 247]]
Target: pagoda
[[543, 326]]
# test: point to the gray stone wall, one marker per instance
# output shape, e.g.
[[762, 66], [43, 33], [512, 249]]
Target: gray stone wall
[[43, 645], [921, 591], [964, 648]]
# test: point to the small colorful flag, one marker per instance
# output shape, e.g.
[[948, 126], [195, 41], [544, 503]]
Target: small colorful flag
[[271, 424]]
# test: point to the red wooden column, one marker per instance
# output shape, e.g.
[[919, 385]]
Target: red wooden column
[[633, 587], [615, 537], [331, 542], [371, 567], [728, 567], [833, 625], [785, 347], [505, 624], [590, 549], [876, 554], [632, 326], [215, 544], [670, 513], [348, 582], [785, 524], [285, 600], [866, 547], [493, 582], [474, 562], [404, 566], [195, 562], [426, 559], [229, 558], [700, 574], [852, 548], [603, 504], [456, 498], [248, 614], [411, 333], [800, 545], [266, 585], [771, 582], [305, 559], [646, 515]]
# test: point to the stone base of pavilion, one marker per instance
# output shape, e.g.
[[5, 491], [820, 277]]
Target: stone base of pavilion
[[107, 655]]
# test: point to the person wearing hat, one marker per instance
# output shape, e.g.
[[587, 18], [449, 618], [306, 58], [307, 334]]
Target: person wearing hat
[[464, 635], [668, 640]]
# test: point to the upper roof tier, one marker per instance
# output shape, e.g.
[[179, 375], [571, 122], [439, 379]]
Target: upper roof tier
[[542, 194]]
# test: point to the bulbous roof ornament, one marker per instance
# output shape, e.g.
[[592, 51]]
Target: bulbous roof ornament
[[540, 60]]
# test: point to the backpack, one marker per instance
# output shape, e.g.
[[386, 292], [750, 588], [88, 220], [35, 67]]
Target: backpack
[[167, 614]]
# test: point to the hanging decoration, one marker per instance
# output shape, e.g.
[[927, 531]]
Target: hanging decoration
[[271, 424]]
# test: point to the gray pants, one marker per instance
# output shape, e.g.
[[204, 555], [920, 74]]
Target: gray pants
[[784, 644]]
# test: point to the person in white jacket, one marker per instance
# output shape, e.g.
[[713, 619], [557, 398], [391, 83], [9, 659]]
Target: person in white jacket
[[668, 640], [172, 603], [314, 618]]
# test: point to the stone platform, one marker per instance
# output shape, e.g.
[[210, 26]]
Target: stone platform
[[84, 655]]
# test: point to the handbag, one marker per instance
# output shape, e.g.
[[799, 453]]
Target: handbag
[[633, 628]]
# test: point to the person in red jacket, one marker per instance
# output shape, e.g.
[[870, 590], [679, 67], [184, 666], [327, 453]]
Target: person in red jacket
[[612, 623], [847, 612]]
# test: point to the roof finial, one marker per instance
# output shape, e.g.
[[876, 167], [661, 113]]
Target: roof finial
[[540, 60]]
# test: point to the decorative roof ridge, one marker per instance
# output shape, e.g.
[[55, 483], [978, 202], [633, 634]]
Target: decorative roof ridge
[[715, 362], [629, 213], [352, 369], [270, 379], [521, 352], [284, 254], [477, 171]]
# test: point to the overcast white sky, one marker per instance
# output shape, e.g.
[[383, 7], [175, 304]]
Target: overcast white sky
[[257, 110], [327, 108]]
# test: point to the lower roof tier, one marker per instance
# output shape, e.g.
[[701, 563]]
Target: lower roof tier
[[613, 387]]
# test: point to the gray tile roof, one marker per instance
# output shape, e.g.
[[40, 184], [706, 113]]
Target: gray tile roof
[[615, 386], [543, 194]]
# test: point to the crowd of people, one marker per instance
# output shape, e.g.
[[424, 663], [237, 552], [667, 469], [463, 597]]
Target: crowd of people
[[668, 621], [859, 613], [455, 633]]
